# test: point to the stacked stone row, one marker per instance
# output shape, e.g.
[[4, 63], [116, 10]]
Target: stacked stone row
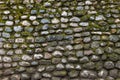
[[59, 40]]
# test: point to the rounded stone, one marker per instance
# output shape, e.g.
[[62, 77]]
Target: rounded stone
[[17, 28], [109, 65]]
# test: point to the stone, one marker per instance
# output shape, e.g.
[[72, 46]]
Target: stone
[[88, 74], [19, 40], [88, 52], [64, 20], [2, 52], [24, 64], [38, 56], [36, 76], [113, 73], [89, 65], [79, 54], [47, 4], [47, 56], [103, 73], [117, 64], [57, 53], [24, 76], [15, 77], [7, 59], [32, 18], [18, 28], [60, 66], [55, 21], [25, 23], [8, 29], [29, 29], [73, 73], [40, 39], [6, 35], [84, 59], [77, 47], [60, 73], [109, 65], [33, 11], [64, 13], [9, 23], [99, 51], [100, 17], [75, 19], [84, 24], [26, 58], [113, 38], [45, 21], [95, 44], [87, 39]]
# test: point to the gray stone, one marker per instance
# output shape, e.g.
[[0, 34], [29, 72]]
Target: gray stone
[[60, 73], [40, 39], [7, 59], [15, 77], [32, 18], [75, 19], [103, 73], [64, 13], [118, 64], [60, 66], [33, 11], [99, 51], [109, 65], [87, 39], [24, 76], [95, 44], [23, 63], [79, 54], [38, 56], [113, 73], [45, 21], [47, 4], [114, 38], [64, 20], [29, 29], [8, 29], [26, 58], [17, 28], [9, 23], [100, 17], [84, 24], [84, 59], [55, 21], [25, 23], [73, 73], [88, 74], [2, 52], [6, 35]]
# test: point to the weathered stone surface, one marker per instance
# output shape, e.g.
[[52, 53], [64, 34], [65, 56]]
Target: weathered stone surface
[[59, 40]]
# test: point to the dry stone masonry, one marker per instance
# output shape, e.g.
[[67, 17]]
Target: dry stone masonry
[[59, 39]]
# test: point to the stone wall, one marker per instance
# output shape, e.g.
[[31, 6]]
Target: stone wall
[[59, 40]]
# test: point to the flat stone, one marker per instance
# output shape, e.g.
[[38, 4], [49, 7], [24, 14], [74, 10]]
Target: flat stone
[[38, 56], [26, 58], [17, 28], [55, 21], [75, 19], [9, 23], [7, 59], [45, 21], [109, 65], [6, 35], [25, 23]]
